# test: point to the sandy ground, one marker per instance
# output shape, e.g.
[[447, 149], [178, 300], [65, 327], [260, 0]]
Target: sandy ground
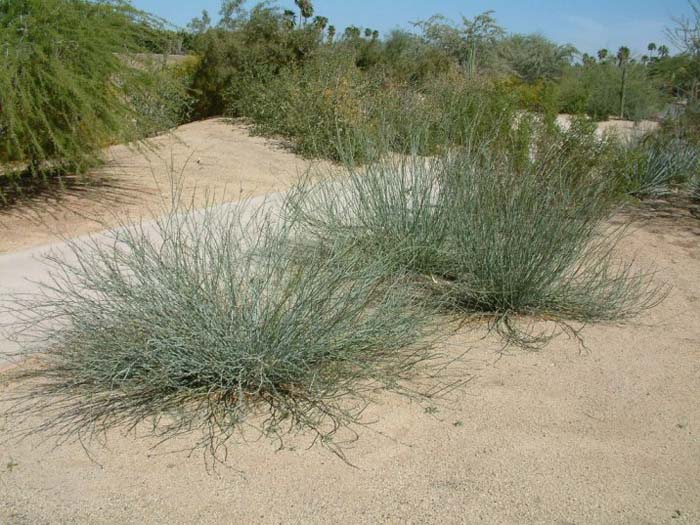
[[609, 433], [605, 434], [207, 156]]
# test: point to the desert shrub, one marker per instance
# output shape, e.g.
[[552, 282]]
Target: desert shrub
[[205, 320], [487, 233], [160, 94], [594, 89], [407, 58], [446, 112], [538, 97], [685, 125], [330, 108], [657, 165], [65, 81], [533, 58], [323, 107], [245, 50]]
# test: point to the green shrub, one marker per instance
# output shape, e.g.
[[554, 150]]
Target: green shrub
[[208, 319], [594, 89], [247, 49], [65, 81], [490, 234], [323, 107], [330, 108], [657, 165], [160, 95]]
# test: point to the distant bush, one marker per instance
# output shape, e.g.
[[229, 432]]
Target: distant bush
[[248, 48], [66, 89], [323, 107], [331, 108], [594, 89], [534, 58]]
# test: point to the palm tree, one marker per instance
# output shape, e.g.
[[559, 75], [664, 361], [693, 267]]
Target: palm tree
[[645, 59], [321, 22], [587, 59], [623, 56], [289, 18], [663, 51], [331, 34], [603, 54], [306, 9], [652, 48]]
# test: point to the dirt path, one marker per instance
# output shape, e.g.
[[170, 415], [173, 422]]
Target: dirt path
[[209, 156]]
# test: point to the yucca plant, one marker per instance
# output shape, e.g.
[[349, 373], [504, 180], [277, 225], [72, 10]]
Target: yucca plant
[[658, 166]]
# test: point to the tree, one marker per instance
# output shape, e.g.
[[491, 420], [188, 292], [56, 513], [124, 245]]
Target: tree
[[306, 10], [290, 18], [331, 34], [651, 48], [587, 60], [473, 44], [200, 25], [685, 35], [603, 54], [352, 33], [231, 11], [68, 86], [534, 57], [321, 22], [623, 58]]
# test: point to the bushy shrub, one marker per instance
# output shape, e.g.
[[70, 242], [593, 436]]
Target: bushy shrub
[[323, 107], [488, 233], [207, 319], [160, 95], [407, 58], [657, 165], [533, 58], [594, 89], [66, 85], [330, 108], [247, 49]]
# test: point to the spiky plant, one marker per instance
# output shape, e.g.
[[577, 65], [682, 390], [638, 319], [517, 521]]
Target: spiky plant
[[205, 320], [487, 235]]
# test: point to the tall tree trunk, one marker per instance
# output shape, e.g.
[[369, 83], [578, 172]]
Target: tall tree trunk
[[623, 88]]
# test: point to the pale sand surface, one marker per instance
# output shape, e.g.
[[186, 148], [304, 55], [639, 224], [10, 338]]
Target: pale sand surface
[[208, 156], [607, 434]]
